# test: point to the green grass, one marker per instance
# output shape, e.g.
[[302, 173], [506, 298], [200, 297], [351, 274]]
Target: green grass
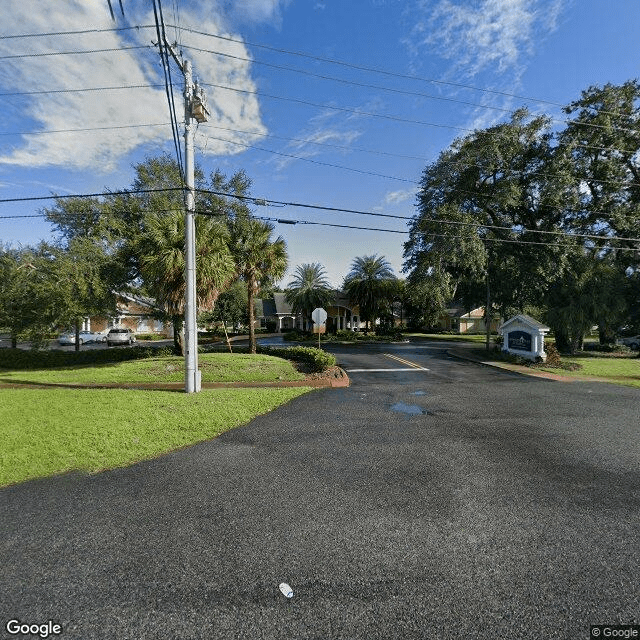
[[49, 431], [215, 367], [624, 371]]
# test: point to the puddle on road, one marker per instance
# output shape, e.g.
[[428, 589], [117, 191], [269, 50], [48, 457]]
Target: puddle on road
[[419, 393], [409, 409]]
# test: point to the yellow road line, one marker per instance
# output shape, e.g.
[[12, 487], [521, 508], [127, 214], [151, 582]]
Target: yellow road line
[[407, 362]]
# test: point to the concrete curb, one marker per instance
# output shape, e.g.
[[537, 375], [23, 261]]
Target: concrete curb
[[318, 383], [514, 368]]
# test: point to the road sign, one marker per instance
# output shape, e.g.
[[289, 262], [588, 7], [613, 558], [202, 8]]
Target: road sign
[[319, 316]]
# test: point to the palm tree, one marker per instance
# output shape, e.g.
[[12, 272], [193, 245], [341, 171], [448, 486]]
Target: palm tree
[[308, 290], [161, 251], [259, 260], [369, 284]]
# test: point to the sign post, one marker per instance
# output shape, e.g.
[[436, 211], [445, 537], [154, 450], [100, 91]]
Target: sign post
[[319, 317]]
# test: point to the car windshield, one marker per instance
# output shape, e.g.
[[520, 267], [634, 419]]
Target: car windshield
[[118, 331]]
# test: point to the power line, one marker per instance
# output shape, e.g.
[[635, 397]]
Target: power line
[[386, 72], [318, 162], [73, 53], [283, 203], [73, 33], [168, 84], [390, 89], [81, 90], [122, 126], [349, 82]]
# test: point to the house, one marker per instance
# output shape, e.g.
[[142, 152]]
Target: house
[[135, 312], [277, 312], [459, 319]]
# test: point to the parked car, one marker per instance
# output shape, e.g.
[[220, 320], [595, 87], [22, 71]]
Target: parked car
[[85, 337], [633, 342], [120, 336]]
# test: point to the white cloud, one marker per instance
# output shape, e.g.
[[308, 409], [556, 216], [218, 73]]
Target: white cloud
[[395, 197], [258, 10], [488, 43], [101, 149], [491, 34]]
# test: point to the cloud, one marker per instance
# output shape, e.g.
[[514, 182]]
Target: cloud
[[490, 34], [133, 110], [256, 11], [395, 197], [487, 42]]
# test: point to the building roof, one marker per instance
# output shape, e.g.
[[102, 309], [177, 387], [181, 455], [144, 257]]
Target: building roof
[[525, 319]]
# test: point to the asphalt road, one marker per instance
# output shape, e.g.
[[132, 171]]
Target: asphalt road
[[431, 499]]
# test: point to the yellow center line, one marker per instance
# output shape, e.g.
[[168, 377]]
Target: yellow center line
[[407, 362]]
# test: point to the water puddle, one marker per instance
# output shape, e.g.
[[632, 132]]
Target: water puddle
[[409, 409], [419, 393]]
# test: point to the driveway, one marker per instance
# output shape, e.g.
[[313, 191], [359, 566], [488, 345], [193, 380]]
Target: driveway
[[432, 498]]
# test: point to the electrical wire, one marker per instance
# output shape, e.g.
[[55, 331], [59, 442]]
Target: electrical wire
[[319, 162], [74, 33], [73, 53], [166, 67], [283, 203], [391, 89], [110, 127]]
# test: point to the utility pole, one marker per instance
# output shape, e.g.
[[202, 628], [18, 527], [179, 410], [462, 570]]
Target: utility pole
[[195, 110]]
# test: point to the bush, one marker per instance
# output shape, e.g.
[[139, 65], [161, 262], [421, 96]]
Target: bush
[[151, 336], [553, 355], [317, 358], [346, 334], [21, 359]]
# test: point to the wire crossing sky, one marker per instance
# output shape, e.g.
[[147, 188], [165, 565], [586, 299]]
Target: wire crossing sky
[[338, 104]]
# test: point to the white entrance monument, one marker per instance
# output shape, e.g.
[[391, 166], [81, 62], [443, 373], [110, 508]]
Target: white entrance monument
[[524, 336]]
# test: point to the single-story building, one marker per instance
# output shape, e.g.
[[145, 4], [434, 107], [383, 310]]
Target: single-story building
[[134, 312], [341, 314], [459, 319]]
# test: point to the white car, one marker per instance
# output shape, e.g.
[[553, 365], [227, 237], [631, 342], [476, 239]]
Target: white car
[[83, 338], [120, 336]]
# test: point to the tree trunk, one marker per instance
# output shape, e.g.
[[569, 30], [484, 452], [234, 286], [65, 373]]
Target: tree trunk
[[14, 341], [252, 331], [177, 334], [77, 327]]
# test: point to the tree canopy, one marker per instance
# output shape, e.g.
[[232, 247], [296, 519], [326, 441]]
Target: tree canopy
[[503, 213]]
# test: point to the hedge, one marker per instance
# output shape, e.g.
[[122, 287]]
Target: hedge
[[22, 359], [317, 358]]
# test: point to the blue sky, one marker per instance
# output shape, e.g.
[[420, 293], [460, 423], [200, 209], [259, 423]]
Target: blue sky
[[546, 50]]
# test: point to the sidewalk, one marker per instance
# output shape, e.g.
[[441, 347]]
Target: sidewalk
[[464, 353]]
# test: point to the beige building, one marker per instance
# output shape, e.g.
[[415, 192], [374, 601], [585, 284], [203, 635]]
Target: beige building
[[132, 312], [460, 320]]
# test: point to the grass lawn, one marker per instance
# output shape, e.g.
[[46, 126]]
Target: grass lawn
[[619, 370], [215, 367], [49, 431]]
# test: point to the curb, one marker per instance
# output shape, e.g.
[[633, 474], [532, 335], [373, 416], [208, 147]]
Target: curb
[[317, 383], [514, 368]]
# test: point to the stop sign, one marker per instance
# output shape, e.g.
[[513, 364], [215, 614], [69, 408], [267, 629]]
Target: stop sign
[[319, 316]]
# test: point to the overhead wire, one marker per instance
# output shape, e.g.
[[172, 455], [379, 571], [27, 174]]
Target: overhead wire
[[388, 89], [166, 68]]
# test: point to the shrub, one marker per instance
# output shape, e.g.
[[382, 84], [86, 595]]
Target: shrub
[[151, 336], [553, 355], [318, 359], [21, 359], [346, 334]]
